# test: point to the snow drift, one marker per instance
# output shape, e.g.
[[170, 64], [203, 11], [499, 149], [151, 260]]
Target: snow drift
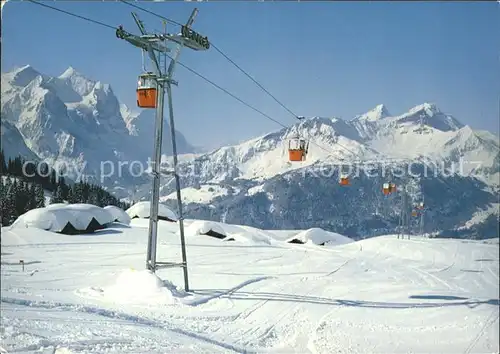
[[378, 295], [202, 227], [319, 237], [141, 286], [141, 210], [118, 214]]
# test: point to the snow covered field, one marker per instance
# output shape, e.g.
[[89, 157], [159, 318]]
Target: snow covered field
[[89, 293]]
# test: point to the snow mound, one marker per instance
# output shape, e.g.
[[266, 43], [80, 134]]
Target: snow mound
[[202, 227], [65, 218], [254, 238], [84, 210], [141, 210], [118, 214], [39, 218], [319, 237], [142, 286]]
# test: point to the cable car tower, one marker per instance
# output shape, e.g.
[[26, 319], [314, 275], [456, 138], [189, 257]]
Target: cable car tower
[[150, 94], [404, 214], [412, 212]]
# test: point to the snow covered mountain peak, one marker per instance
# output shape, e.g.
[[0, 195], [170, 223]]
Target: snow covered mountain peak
[[428, 108], [379, 112], [66, 117], [21, 76], [76, 81], [431, 116], [325, 129], [70, 71], [71, 115]]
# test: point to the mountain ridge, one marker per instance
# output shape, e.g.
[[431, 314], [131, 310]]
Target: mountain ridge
[[75, 120], [81, 121]]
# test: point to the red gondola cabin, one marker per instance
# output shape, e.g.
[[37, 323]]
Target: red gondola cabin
[[146, 91], [297, 150]]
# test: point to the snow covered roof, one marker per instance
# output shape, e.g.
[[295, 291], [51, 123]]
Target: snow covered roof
[[118, 214], [55, 217], [319, 236], [202, 227], [141, 210]]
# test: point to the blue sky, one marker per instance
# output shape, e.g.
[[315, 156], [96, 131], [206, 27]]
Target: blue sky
[[319, 58]]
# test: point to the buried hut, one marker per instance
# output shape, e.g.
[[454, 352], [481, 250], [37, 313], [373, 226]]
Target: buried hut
[[141, 210], [118, 214], [208, 228], [68, 219]]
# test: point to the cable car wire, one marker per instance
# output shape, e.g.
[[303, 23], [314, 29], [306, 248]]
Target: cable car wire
[[220, 52], [243, 71], [73, 14], [183, 65], [178, 62], [153, 13], [191, 70]]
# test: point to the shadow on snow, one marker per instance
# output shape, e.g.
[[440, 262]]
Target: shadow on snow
[[265, 296]]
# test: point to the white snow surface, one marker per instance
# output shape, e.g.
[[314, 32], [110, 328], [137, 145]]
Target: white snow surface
[[319, 236], [54, 217], [379, 295], [133, 286], [142, 209], [118, 214]]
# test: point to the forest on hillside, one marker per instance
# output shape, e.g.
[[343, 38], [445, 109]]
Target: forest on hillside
[[24, 187]]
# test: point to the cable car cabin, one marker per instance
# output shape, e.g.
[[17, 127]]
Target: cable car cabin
[[146, 91], [388, 188], [344, 181], [297, 150]]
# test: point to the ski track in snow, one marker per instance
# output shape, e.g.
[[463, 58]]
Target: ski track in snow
[[372, 296]]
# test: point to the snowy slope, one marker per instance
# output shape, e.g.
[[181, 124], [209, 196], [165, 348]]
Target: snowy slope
[[381, 295], [75, 120]]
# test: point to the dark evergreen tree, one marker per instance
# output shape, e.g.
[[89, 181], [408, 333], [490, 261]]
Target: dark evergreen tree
[[10, 204], [43, 175], [39, 196], [2, 188], [71, 195], [64, 188], [23, 198], [57, 196], [53, 180], [3, 195], [3, 165], [7, 183], [32, 196]]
